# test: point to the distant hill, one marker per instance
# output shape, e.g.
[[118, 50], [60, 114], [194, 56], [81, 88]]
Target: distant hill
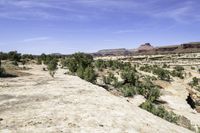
[[147, 48], [117, 52]]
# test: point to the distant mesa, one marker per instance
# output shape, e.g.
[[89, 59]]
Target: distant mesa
[[117, 52], [145, 47]]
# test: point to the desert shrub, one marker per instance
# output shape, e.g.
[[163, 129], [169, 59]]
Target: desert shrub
[[82, 65], [149, 90], [80, 72], [193, 68], [27, 56], [153, 94], [100, 64], [116, 83], [14, 56], [3, 56], [48, 59], [179, 68], [63, 62], [195, 81], [78, 60], [112, 64], [162, 73], [129, 91], [198, 129], [52, 66], [165, 66], [146, 68], [111, 80], [1, 72], [178, 72], [130, 76], [23, 61], [89, 74], [148, 106], [39, 61], [72, 65], [160, 111], [83, 60]]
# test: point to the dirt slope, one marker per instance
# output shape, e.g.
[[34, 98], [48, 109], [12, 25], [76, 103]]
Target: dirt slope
[[38, 103]]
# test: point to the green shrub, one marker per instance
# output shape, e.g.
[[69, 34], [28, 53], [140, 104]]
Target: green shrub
[[14, 56], [160, 111], [193, 68], [2, 71], [153, 94], [179, 68], [162, 73], [52, 66], [39, 61], [195, 81], [129, 91], [72, 65], [80, 72], [178, 72], [149, 90], [100, 64], [146, 68], [165, 66], [130, 76], [89, 74]]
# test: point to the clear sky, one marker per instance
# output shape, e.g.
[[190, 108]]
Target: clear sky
[[67, 26]]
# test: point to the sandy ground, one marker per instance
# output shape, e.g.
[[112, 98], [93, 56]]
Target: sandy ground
[[41, 104]]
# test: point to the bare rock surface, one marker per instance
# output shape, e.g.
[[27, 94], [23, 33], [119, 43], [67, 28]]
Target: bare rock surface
[[175, 94], [38, 103]]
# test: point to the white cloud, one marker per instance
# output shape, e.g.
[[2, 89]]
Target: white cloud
[[35, 39], [84, 10]]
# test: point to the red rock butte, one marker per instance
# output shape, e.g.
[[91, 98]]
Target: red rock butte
[[145, 47]]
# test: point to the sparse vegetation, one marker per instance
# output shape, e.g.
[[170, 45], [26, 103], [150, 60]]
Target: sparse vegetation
[[162, 73], [146, 68], [160, 111], [118, 75], [178, 72], [81, 65]]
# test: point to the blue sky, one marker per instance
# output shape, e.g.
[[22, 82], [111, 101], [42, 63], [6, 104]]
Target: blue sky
[[67, 26]]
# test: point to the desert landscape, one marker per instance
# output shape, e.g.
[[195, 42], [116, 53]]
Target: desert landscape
[[81, 93], [99, 66]]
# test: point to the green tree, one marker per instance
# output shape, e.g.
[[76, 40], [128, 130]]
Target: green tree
[[14, 56], [72, 65]]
